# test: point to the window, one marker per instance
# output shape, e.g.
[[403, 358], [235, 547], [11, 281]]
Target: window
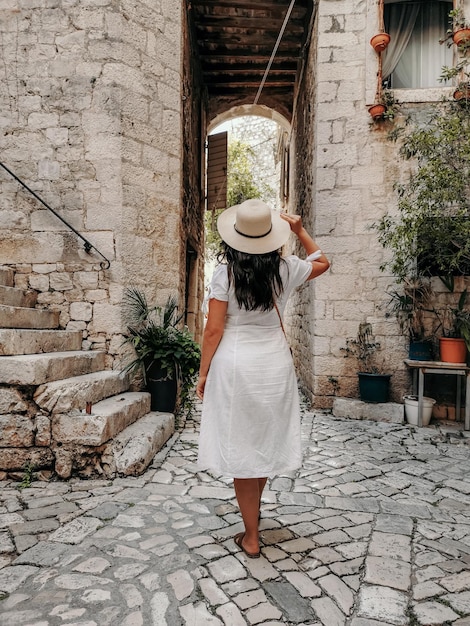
[[415, 57]]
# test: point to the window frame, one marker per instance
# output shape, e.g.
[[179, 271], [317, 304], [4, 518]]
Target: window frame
[[415, 95]]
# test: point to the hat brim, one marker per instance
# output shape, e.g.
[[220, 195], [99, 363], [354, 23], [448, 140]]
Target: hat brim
[[274, 240]]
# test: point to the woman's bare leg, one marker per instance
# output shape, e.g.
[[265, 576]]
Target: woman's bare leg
[[248, 495], [261, 485]]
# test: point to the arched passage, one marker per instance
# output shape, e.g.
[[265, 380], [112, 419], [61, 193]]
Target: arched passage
[[249, 109]]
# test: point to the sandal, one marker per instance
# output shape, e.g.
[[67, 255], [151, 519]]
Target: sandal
[[238, 541]]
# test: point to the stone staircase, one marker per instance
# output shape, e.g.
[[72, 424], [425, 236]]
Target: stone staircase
[[61, 411]]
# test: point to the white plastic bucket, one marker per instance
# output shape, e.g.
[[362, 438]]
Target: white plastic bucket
[[411, 409]]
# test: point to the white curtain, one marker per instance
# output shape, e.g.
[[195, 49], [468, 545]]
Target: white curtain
[[414, 57]]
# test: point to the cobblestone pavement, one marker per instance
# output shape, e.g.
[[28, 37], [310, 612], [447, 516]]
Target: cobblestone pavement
[[373, 531]]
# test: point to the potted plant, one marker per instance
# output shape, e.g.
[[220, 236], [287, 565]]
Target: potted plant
[[454, 323], [459, 31], [409, 304], [459, 34], [165, 353], [385, 106], [373, 385]]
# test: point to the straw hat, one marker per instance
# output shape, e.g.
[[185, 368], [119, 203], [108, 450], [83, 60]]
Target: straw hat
[[252, 227]]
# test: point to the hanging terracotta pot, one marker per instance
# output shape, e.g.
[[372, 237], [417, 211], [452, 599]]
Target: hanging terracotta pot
[[376, 111], [461, 36], [380, 41], [452, 350], [462, 94]]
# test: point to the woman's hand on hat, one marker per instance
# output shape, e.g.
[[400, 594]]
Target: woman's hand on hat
[[295, 222]]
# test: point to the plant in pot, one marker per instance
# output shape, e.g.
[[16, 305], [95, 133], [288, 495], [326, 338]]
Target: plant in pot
[[373, 384], [459, 34], [385, 107], [409, 303], [165, 353], [454, 324], [459, 31]]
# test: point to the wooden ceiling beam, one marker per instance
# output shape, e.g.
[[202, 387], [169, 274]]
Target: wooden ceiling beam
[[241, 56], [251, 5], [266, 41], [249, 23], [237, 83], [217, 67]]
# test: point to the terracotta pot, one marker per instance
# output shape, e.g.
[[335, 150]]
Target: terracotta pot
[[452, 350], [376, 111], [380, 41], [461, 36], [462, 94]]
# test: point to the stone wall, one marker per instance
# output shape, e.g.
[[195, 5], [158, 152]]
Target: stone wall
[[193, 178], [91, 121], [351, 167], [303, 309]]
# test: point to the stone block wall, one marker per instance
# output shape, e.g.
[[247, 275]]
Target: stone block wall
[[194, 123], [351, 166], [91, 121]]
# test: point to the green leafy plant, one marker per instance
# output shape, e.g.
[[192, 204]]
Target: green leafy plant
[[156, 335], [409, 303], [28, 476], [390, 106], [430, 233], [460, 70], [457, 22], [455, 321]]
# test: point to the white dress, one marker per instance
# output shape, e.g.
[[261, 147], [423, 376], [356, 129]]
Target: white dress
[[250, 424]]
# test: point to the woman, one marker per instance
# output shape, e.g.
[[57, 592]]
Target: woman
[[250, 425]]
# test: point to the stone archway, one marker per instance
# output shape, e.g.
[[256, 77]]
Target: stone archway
[[249, 109]]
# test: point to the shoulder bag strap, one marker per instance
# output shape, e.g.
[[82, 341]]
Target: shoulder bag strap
[[280, 319]]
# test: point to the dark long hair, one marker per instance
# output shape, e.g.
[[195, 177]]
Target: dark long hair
[[256, 277]]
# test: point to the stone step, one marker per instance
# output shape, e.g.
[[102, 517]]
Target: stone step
[[22, 317], [36, 369], [108, 418], [12, 296], [135, 447], [7, 276], [15, 341], [73, 393], [351, 408]]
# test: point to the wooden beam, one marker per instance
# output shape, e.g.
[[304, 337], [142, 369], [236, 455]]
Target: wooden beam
[[247, 81], [217, 68], [244, 39], [241, 56], [259, 23], [252, 5]]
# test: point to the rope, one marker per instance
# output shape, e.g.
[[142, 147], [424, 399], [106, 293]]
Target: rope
[[273, 54]]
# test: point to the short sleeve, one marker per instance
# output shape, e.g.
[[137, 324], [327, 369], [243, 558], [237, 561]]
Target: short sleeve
[[299, 271], [218, 287]]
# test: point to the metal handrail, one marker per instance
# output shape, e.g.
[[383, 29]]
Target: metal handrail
[[88, 246]]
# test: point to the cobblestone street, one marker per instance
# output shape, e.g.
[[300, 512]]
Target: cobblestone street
[[373, 531]]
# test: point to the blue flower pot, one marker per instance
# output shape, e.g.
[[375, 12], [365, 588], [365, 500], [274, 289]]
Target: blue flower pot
[[374, 387]]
